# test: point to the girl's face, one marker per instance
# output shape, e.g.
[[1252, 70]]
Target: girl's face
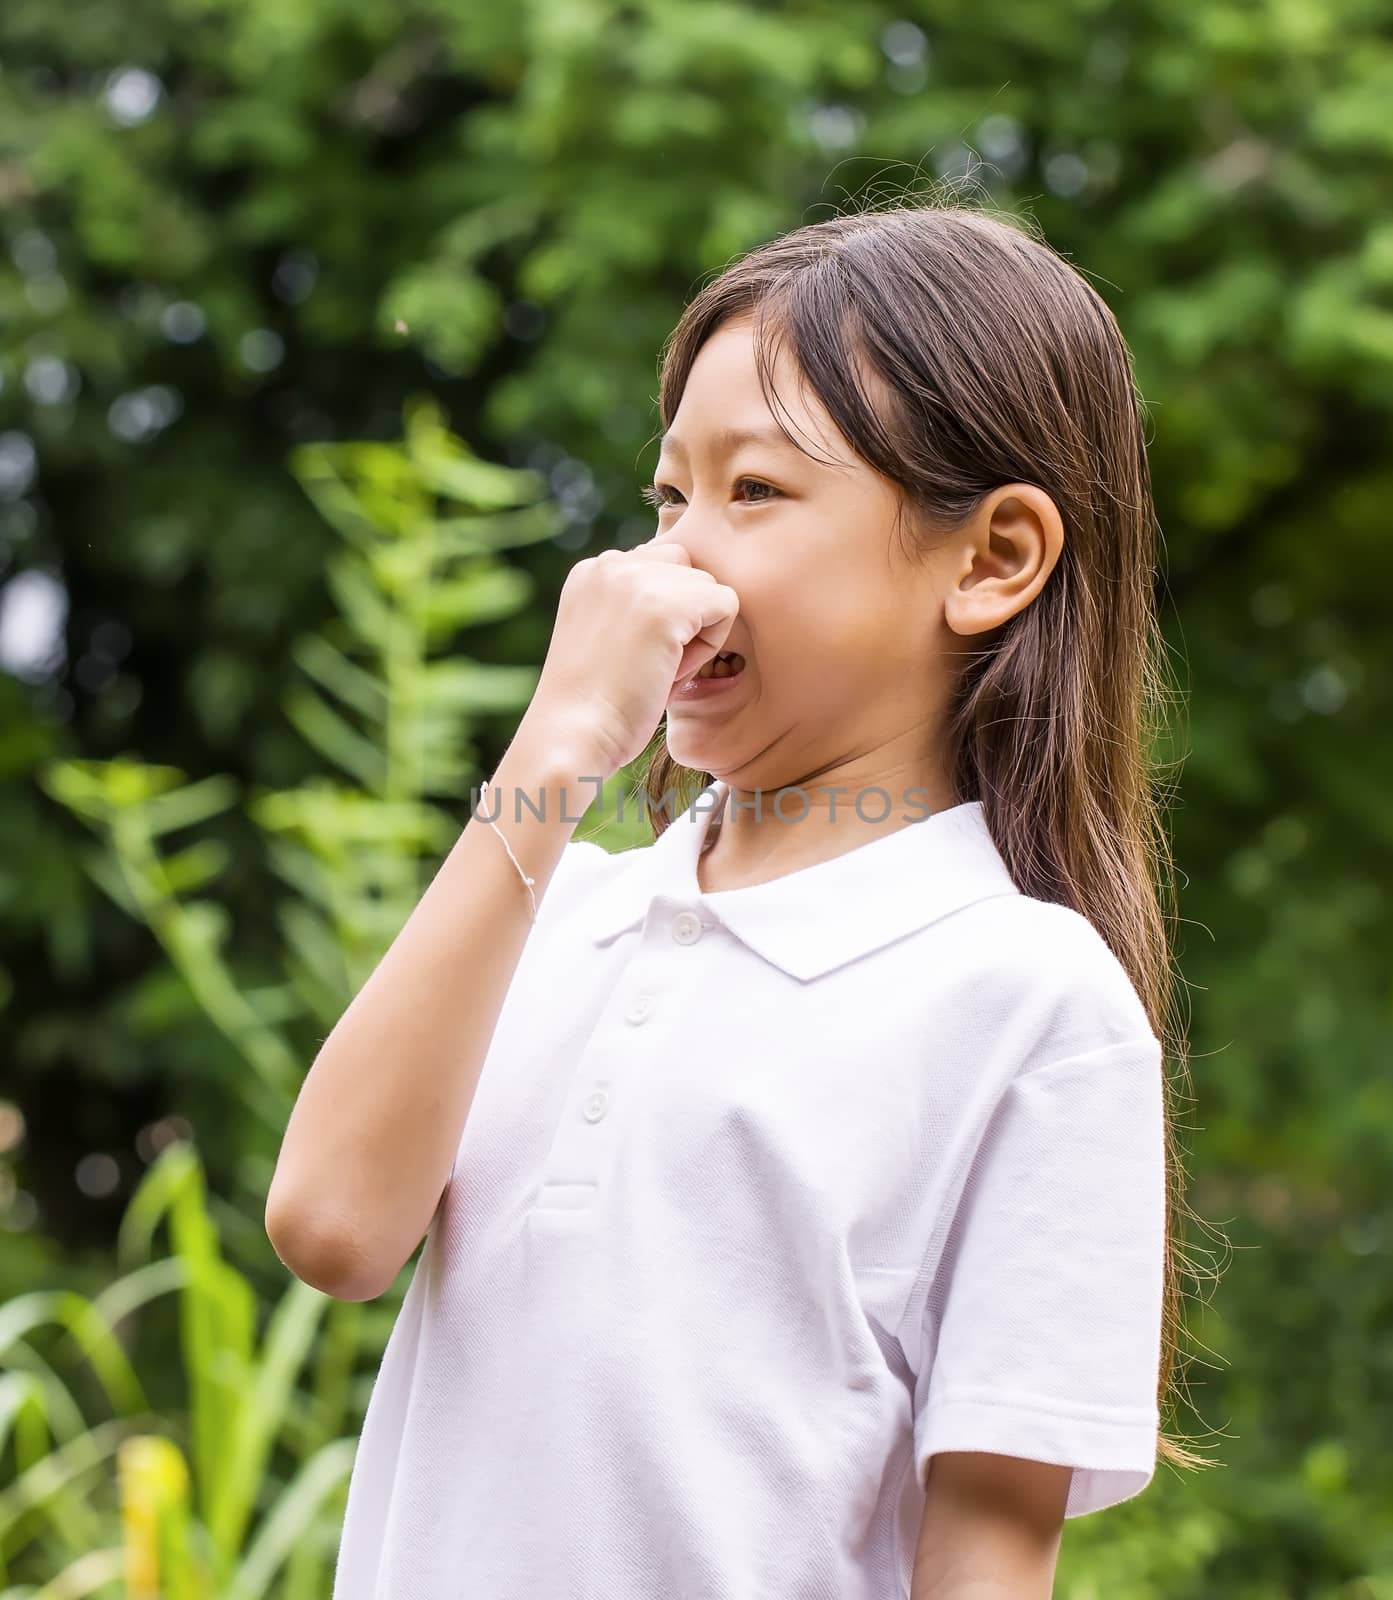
[[847, 655]]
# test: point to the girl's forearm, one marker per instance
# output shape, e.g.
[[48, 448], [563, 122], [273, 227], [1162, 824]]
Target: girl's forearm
[[374, 1131]]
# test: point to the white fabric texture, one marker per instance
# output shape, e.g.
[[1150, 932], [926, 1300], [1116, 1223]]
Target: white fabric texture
[[766, 1196]]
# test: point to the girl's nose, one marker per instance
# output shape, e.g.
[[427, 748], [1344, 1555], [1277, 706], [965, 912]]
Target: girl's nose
[[701, 553], [695, 533]]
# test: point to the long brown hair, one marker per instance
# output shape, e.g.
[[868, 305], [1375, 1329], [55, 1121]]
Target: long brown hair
[[1001, 364]]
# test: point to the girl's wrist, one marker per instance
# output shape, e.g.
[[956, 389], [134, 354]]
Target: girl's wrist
[[543, 760]]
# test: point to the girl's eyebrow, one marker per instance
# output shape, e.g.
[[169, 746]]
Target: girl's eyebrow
[[729, 440]]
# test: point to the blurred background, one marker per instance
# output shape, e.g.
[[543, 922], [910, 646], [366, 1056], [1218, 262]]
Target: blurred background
[[329, 343]]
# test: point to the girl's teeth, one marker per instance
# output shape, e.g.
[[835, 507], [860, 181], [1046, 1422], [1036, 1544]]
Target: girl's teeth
[[718, 667]]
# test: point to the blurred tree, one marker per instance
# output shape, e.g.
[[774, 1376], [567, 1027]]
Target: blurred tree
[[423, 524], [243, 1486]]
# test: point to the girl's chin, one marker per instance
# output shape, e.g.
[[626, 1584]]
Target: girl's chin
[[695, 747]]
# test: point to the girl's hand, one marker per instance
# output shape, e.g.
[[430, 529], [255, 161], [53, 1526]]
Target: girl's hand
[[630, 625]]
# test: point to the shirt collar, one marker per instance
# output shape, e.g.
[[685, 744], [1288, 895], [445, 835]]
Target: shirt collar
[[813, 920]]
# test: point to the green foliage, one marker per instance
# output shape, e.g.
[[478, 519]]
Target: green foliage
[[122, 1506], [423, 523], [390, 718]]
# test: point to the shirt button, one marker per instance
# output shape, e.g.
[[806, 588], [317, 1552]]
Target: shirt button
[[686, 927], [596, 1105], [640, 1008]]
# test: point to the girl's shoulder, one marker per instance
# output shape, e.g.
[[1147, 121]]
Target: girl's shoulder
[[1051, 961], [583, 867]]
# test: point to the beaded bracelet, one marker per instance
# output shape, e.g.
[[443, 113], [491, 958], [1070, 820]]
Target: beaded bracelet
[[493, 823]]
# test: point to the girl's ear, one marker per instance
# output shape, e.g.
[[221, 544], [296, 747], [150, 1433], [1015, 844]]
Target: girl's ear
[[1006, 553]]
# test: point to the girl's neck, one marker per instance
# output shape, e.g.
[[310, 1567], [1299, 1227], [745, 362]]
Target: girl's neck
[[749, 848]]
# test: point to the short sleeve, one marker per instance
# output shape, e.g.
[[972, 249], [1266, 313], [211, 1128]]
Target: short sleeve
[[582, 867], [1041, 1332]]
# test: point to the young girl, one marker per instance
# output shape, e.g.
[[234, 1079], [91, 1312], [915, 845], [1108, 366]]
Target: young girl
[[796, 1188]]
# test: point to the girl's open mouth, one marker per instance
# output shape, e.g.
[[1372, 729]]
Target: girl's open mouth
[[728, 664], [715, 677]]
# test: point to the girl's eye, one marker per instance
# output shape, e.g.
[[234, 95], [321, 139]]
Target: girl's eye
[[656, 493]]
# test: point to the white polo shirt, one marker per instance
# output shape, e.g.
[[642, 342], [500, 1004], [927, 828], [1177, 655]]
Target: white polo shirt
[[765, 1197]]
